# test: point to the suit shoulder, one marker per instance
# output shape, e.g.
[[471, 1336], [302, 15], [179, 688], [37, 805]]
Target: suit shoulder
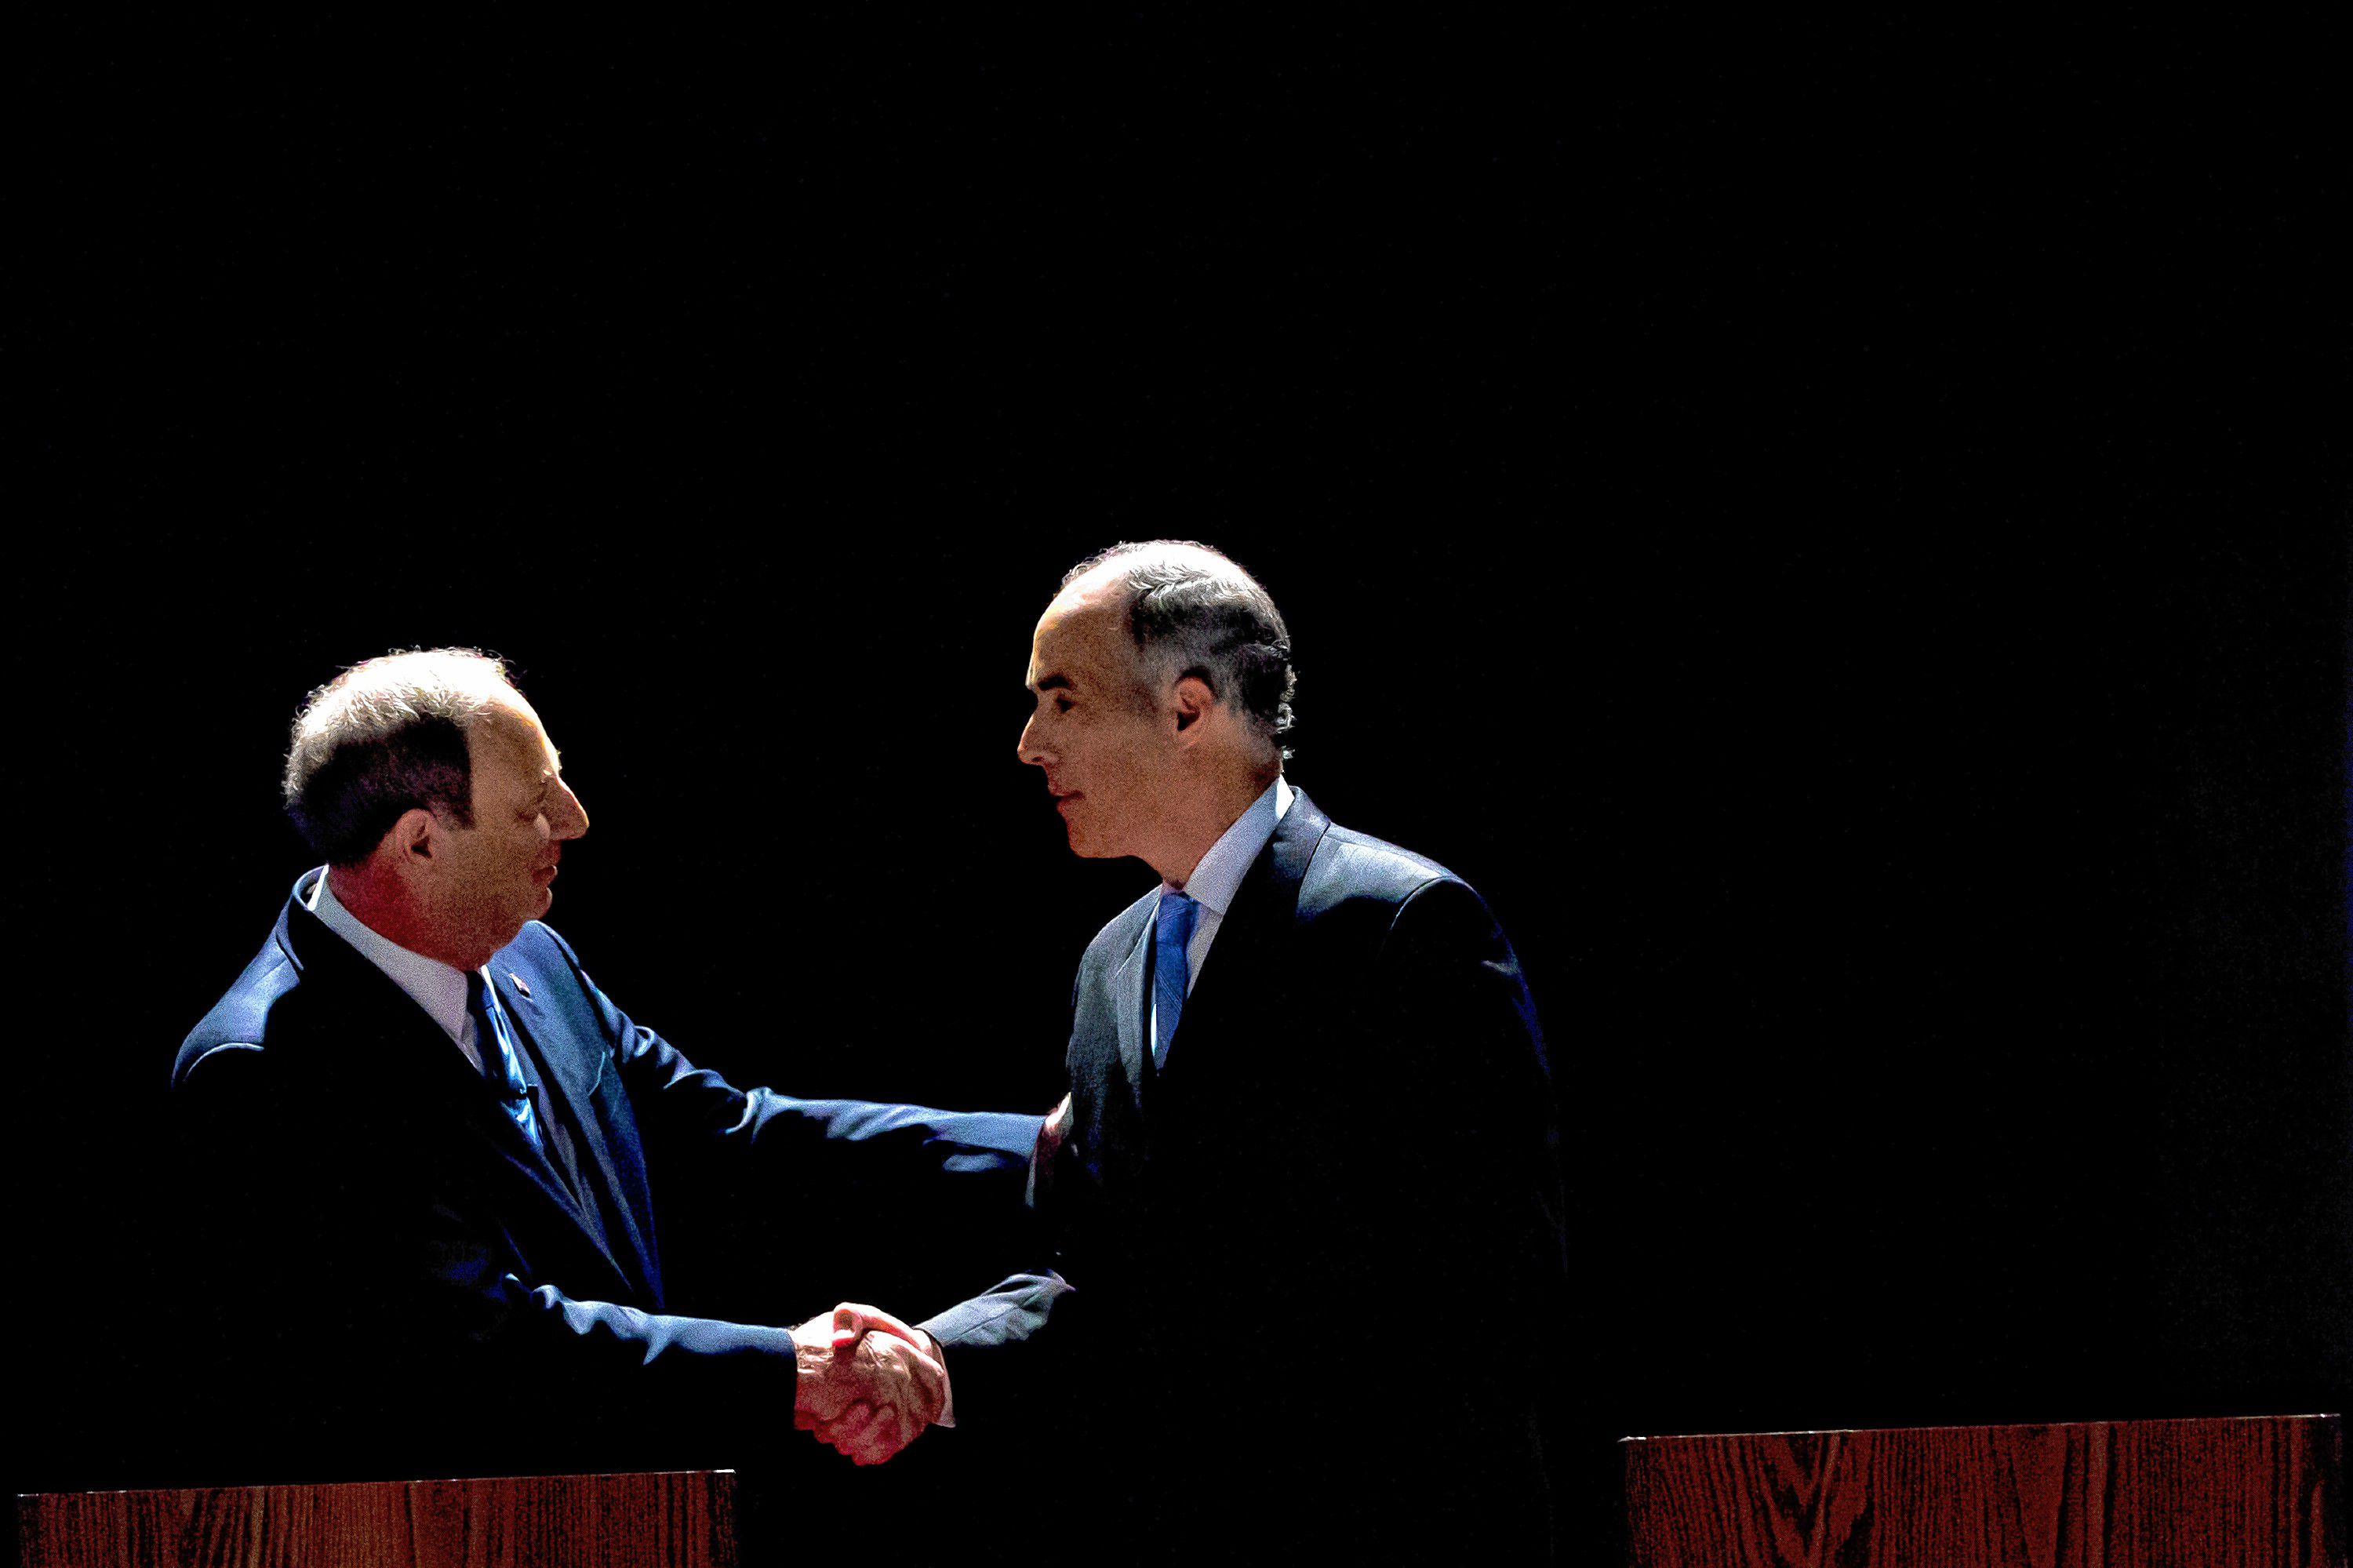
[[239, 1021], [550, 973], [1363, 884], [1120, 932], [537, 950], [1358, 865]]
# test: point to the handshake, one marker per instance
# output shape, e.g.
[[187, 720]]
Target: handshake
[[866, 1383], [869, 1385]]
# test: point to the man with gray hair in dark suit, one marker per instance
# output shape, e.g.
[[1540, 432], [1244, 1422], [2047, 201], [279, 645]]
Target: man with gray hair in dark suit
[[435, 1164], [1310, 1274]]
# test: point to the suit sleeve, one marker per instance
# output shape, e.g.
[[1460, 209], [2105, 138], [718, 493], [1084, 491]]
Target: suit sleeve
[[1464, 1205], [773, 1207], [1468, 1106], [999, 1351], [785, 1147]]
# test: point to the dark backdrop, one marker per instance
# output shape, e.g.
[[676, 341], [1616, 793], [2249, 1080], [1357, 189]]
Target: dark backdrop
[[1841, 541]]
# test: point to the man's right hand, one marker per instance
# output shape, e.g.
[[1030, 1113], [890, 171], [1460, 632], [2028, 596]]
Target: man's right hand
[[867, 1384]]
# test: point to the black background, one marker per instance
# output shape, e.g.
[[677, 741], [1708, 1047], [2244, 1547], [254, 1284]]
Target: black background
[[1841, 538]]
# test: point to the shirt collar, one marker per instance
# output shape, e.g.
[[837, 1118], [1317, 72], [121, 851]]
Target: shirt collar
[[439, 988], [1218, 876]]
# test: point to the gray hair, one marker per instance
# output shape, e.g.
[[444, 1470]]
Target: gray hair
[[383, 737], [1193, 611]]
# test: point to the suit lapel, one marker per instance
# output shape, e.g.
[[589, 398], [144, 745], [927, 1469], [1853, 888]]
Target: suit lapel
[[1249, 939], [572, 1094], [562, 1110], [1127, 1007]]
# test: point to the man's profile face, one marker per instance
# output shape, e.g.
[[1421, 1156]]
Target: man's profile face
[[1093, 728], [498, 872]]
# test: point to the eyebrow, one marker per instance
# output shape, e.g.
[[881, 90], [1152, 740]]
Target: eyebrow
[[1054, 684]]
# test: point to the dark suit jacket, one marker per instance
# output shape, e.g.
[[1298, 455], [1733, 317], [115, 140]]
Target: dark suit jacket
[[1310, 1283], [403, 1284]]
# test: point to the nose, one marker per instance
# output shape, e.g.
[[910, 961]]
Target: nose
[[569, 817], [1031, 750]]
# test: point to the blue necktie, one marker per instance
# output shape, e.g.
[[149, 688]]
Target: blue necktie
[[500, 1064], [1171, 930]]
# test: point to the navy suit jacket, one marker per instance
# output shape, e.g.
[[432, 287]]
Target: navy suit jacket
[[1310, 1272], [395, 1273]]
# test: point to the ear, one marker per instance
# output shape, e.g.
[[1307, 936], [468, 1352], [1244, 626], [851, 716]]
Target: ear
[[1191, 699], [415, 839]]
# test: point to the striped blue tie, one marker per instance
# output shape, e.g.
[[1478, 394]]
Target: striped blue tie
[[500, 1064], [1171, 930]]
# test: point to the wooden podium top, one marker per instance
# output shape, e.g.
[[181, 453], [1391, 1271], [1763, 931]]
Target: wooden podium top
[[681, 1519], [2249, 1492]]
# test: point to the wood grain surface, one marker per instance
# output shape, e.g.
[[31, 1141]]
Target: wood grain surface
[[676, 1520], [2244, 1493]]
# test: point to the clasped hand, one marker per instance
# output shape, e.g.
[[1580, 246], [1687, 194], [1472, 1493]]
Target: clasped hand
[[868, 1384]]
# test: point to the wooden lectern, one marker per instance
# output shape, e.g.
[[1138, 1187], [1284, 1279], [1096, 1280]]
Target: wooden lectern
[[677, 1519], [2257, 1492]]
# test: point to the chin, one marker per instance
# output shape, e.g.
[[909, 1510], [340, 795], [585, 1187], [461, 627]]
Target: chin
[[521, 918], [1087, 844]]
